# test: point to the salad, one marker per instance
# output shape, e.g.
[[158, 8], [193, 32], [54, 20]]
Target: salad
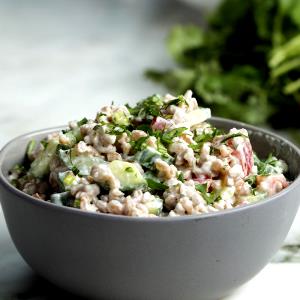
[[158, 158]]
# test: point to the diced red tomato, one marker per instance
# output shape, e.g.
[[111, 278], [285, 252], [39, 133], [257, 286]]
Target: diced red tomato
[[244, 154], [202, 178]]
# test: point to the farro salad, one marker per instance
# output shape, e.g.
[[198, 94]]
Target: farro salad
[[158, 158]]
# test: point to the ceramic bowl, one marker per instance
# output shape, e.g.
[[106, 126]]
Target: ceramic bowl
[[106, 256]]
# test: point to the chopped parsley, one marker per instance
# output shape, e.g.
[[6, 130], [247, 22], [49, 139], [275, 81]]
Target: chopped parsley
[[204, 138], [140, 144], [214, 151], [75, 170], [251, 180], [82, 122], [116, 130], [207, 136], [180, 176], [44, 143], [76, 203], [154, 183], [19, 169], [202, 188], [112, 128], [150, 106], [144, 127], [269, 166], [62, 147], [231, 136], [162, 149], [210, 198], [180, 100], [167, 137]]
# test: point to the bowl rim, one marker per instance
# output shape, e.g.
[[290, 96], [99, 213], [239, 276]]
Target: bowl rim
[[48, 205]]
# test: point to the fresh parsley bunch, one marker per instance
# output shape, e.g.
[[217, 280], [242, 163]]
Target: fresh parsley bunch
[[245, 65]]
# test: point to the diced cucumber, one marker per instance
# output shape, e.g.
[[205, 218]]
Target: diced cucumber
[[120, 118], [227, 193], [77, 134], [65, 199], [67, 179], [74, 136], [65, 157], [155, 206], [60, 198], [128, 174], [71, 137], [83, 163], [195, 117], [147, 157], [257, 196], [30, 148], [40, 166]]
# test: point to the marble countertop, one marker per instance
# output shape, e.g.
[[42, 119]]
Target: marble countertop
[[62, 60]]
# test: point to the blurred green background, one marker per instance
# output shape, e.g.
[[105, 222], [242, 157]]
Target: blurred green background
[[244, 62]]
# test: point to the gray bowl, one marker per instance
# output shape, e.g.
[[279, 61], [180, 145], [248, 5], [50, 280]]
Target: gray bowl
[[117, 257]]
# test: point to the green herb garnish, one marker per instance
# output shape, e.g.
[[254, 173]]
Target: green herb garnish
[[163, 150], [82, 122], [180, 100], [231, 136], [210, 198], [269, 166], [140, 144], [154, 183], [62, 147], [147, 108], [75, 170], [203, 138], [44, 143], [145, 127], [76, 203], [244, 63], [167, 137], [180, 176], [251, 180]]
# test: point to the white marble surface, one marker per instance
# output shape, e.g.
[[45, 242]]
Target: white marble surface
[[275, 282], [62, 60]]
